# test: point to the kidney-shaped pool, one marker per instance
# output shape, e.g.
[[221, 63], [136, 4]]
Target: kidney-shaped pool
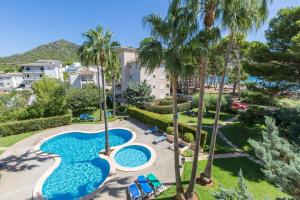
[[81, 170]]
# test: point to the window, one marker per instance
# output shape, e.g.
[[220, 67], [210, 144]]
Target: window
[[130, 66], [168, 86], [27, 68], [42, 68], [41, 75], [1, 84], [7, 83], [153, 86], [27, 75], [153, 76], [167, 76]]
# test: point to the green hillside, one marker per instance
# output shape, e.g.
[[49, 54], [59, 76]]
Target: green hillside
[[59, 50]]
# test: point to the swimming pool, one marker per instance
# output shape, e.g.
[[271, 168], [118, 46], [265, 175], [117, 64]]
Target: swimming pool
[[81, 170], [132, 156]]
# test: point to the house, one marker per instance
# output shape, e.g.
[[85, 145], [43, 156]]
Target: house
[[84, 75], [133, 71], [10, 81], [35, 71], [73, 68]]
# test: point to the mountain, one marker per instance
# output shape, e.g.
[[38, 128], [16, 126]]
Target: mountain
[[62, 50]]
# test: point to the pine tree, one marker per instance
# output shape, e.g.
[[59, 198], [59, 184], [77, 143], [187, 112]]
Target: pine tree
[[281, 159], [240, 192]]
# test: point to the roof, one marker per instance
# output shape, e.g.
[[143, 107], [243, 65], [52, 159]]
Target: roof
[[41, 63], [130, 49], [10, 74]]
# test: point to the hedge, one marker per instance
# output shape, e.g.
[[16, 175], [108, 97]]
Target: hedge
[[167, 109], [17, 127], [184, 128], [162, 123], [88, 110], [150, 118]]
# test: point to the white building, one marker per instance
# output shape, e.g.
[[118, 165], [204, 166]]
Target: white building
[[10, 81], [85, 75], [133, 71], [73, 68], [35, 71]]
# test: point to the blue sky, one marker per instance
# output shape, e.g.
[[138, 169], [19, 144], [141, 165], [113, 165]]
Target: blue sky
[[26, 24]]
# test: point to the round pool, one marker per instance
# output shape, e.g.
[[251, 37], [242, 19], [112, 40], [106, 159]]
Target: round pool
[[133, 156]]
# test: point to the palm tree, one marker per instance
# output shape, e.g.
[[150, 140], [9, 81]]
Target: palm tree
[[100, 46], [166, 45], [237, 16], [88, 58], [200, 45], [114, 74]]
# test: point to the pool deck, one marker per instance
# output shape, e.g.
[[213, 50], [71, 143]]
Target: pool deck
[[21, 167]]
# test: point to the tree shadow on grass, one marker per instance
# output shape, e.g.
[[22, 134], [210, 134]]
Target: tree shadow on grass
[[25, 161], [251, 170]]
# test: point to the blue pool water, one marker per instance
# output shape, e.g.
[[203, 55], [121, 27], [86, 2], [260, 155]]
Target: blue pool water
[[81, 171], [133, 156]]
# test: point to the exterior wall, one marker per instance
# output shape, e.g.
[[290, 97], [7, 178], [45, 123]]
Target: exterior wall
[[131, 70], [78, 79], [10, 81], [35, 71]]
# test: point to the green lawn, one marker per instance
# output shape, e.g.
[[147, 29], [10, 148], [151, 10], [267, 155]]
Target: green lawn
[[207, 120], [225, 172], [221, 146], [95, 114], [286, 102], [12, 139], [238, 134]]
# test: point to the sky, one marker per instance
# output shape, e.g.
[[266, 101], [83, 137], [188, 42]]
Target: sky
[[26, 24]]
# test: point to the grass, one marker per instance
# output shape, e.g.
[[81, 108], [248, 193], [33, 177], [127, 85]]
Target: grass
[[188, 153], [96, 114], [12, 139], [221, 146], [225, 172], [208, 119], [291, 103], [239, 134]]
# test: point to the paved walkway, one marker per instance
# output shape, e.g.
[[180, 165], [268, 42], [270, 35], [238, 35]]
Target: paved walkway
[[21, 167]]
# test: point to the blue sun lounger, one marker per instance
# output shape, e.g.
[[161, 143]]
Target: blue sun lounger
[[160, 139], [134, 192], [145, 186], [152, 130]]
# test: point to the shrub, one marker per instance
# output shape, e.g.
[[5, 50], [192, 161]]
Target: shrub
[[210, 101], [17, 127], [155, 119], [168, 101], [150, 118], [168, 108], [188, 137], [260, 98], [170, 130], [184, 128], [188, 153], [121, 109], [254, 114]]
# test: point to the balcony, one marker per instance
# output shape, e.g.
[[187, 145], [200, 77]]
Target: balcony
[[33, 71]]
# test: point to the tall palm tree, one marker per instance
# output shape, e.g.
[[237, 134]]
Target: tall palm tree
[[98, 43], [169, 35], [114, 74], [88, 58], [200, 45], [236, 16]]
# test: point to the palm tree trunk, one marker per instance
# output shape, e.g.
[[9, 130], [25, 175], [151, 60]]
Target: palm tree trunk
[[202, 67], [179, 188], [107, 147], [206, 175], [100, 102], [114, 95], [239, 73]]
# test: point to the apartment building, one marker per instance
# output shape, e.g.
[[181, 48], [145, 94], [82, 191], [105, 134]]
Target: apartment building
[[35, 71], [84, 75], [133, 71], [10, 81]]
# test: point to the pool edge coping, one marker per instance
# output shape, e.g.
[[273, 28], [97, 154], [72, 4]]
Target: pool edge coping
[[132, 169], [37, 190]]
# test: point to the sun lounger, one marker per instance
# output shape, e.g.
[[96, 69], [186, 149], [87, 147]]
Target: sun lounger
[[152, 130], [134, 192], [160, 139], [145, 187], [157, 185]]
